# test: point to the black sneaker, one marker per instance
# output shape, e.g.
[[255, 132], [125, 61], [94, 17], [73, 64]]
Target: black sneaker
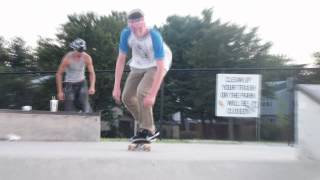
[[145, 134], [154, 136], [138, 136]]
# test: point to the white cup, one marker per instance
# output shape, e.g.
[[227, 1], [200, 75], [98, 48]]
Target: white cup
[[26, 108], [53, 105]]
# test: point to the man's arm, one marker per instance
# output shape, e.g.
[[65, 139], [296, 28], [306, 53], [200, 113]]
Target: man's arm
[[92, 75], [149, 100], [116, 93], [59, 74]]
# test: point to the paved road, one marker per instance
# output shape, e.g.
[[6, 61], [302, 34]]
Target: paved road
[[111, 160]]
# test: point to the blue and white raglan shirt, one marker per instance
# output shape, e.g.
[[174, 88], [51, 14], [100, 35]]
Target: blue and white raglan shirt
[[145, 51]]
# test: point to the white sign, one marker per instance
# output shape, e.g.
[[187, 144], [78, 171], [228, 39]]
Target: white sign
[[238, 95]]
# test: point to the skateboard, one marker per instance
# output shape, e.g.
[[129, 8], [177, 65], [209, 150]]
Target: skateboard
[[140, 145]]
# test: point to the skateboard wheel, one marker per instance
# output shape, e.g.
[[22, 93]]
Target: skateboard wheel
[[130, 147], [147, 148]]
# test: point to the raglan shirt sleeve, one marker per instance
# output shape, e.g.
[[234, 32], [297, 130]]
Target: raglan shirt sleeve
[[123, 45], [157, 44]]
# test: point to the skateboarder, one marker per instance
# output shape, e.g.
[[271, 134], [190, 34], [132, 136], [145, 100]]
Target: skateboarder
[[150, 61], [74, 91]]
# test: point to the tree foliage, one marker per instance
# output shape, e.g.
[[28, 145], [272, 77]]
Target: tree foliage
[[207, 43], [15, 56], [101, 34], [196, 42]]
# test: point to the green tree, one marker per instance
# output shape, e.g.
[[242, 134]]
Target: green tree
[[4, 55], [20, 56], [204, 43], [15, 90], [101, 34], [311, 76], [49, 54]]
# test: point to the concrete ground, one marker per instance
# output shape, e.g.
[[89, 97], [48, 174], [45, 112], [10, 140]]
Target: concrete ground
[[111, 160]]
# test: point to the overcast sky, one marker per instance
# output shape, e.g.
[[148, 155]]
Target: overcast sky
[[291, 25]]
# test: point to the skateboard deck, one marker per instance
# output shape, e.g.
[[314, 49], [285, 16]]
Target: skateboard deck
[[140, 145]]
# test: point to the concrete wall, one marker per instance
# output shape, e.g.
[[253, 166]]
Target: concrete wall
[[308, 121], [48, 126]]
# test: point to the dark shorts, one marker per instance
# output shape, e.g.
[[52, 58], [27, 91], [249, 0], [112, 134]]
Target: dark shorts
[[76, 97]]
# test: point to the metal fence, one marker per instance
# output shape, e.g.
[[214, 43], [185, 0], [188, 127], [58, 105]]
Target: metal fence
[[185, 106]]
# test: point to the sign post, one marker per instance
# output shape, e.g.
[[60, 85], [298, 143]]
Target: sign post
[[238, 95]]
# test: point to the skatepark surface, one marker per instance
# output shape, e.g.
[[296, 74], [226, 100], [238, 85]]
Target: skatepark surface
[[111, 160]]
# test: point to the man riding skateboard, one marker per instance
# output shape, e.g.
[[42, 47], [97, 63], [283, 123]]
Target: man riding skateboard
[[150, 61]]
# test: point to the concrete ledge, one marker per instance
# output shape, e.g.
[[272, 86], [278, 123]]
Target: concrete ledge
[[48, 126], [308, 121], [310, 90]]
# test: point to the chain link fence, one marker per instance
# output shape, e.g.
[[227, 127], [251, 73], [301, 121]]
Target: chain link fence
[[186, 103]]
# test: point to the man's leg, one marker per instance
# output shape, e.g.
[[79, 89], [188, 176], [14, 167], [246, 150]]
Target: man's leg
[[129, 95], [147, 121], [69, 97], [83, 98]]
